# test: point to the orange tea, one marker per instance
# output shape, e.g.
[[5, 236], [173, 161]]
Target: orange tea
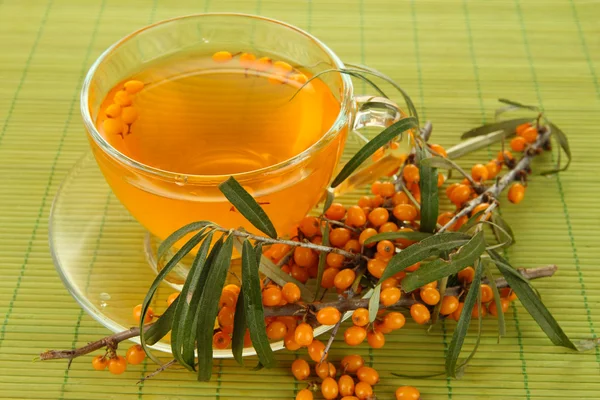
[[205, 118]]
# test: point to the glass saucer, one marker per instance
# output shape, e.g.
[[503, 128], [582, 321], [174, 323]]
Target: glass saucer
[[103, 257]]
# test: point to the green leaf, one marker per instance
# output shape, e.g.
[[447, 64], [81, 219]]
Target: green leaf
[[502, 231], [442, 285], [373, 145], [162, 325], [431, 246], [247, 206], [414, 236], [497, 300], [438, 269], [255, 317], [461, 368], [516, 104], [532, 303], [471, 222], [460, 332], [374, 303], [178, 234], [329, 197], [562, 140], [185, 249], [429, 192], [239, 329], [438, 162], [474, 143], [507, 126], [209, 308], [322, 259]]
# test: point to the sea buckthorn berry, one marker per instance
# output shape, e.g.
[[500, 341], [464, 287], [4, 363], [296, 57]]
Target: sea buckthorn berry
[[344, 279], [364, 235], [346, 385], [117, 365], [430, 296], [505, 156], [377, 200], [479, 208], [352, 246], [466, 275], [225, 316], [449, 305], [404, 243], [276, 330], [522, 127], [438, 149], [441, 179], [375, 187], [376, 339], [222, 56], [487, 294], [329, 388], [356, 216], [364, 201], [376, 267], [450, 188], [386, 248], [407, 393], [300, 369], [479, 173], [355, 335], [504, 303], [298, 273], [221, 340], [420, 313], [228, 299], [530, 134], [386, 189], [282, 67], [389, 296], [263, 64], [325, 369], [304, 394], [113, 111], [289, 342], [413, 267], [388, 227], [460, 222], [516, 193], [290, 322], [394, 320], [433, 285], [247, 340], [389, 282], [368, 374], [410, 173], [456, 314], [299, 78], [328, 316], [336, 211], [290, 292], [99, 363], [247, 60], [335, 260], [339, 236], [122, 98], [352, 363], [316, 350], [444, 218], [405, 212], [400, 198], [271, 296], [137, 314], [460, 194], [129, 115], [303, 335], [310, 226], [518, 144], [227, 329], [360, 317], [172, 297], [379, 216], [363, 391], [328, 279], [112, 126], [475, 312], [304, 257], [133, 86]]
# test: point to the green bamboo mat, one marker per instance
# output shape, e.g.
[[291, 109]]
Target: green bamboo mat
[[455, 58]]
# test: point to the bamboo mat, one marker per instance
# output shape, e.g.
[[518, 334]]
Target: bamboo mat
[[455, 59]]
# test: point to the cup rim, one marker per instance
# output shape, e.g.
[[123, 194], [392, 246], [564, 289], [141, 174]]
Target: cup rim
[[327, 137]]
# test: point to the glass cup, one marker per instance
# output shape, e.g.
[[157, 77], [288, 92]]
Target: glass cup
[[163, 201]]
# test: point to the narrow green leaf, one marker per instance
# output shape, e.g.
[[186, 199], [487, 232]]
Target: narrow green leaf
[[247, 206], [429, 192], [329, 197], [342, 71], [178, 234], [442, 285], [474, 143], [501, 229], [161, 326], [209, 308], [507, 126], [471, 222], [415, 236], [497, 300], [374, 303], [532, 303], [460, 371], [516, 104], [438, 162], [431, 246], [562, 140], [460, 332], [255, 317], [322, 259], [438, 269], [239, 329], [373, 145]]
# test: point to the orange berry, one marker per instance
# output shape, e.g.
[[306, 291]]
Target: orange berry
[[137, 314], [310, 226], [441, 179], [247, 60], [99, 363], [278, 251], [232, 288], [339, 236], [413, 267], [329, 388], [460, 194], [530, 134], [364, 201], [394, 320], [352, 246], [355, 335], [376, 267], [247, 340], [475, 312], [405, 212], [117, 365], [479, 173], [112, 126], [438, 149], [450, 188], [360, 317], [300, 369], [518, 144], [376, 339], [389, 282], [356, 216], [325, 369], [290, 343], [506, 156], [479, 208], [493, 169], [222, 56], [113, 111], [404, 243], [504, 303], [328, 316], [352, 363], [386, 248], [487, 294], [522, 127], [386, 189], [400, 198], [456, 314], [375, 187], [364, 235], [303, 335], [299, 273], [335, 260], [271, 296], [376, 201], [221, 340], [433, 285], [516, 193], [304, 394], [390, 296], [379, 216], [430, 296], [316, 350], [388, 227], [228, 299], [172, 297], [133, 86], [336, 211], [129, 115], [368, 374], [449, 305], [225, 316], [276, 330], [344, 279], [227, 329], [304, 257], [444, 218], [122, 98], [346, 385], [328, 279], [466, 275], [420, 313], [290, 292], [407, 393], [410, 173], [363, 391]]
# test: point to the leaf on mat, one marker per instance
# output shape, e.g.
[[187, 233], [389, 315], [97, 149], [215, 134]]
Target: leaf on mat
[[562, 140], [161, 326], [429, 192], [497, 300], [502, 231]]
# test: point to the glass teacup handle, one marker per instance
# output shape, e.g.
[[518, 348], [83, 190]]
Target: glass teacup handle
[[381, 113]]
